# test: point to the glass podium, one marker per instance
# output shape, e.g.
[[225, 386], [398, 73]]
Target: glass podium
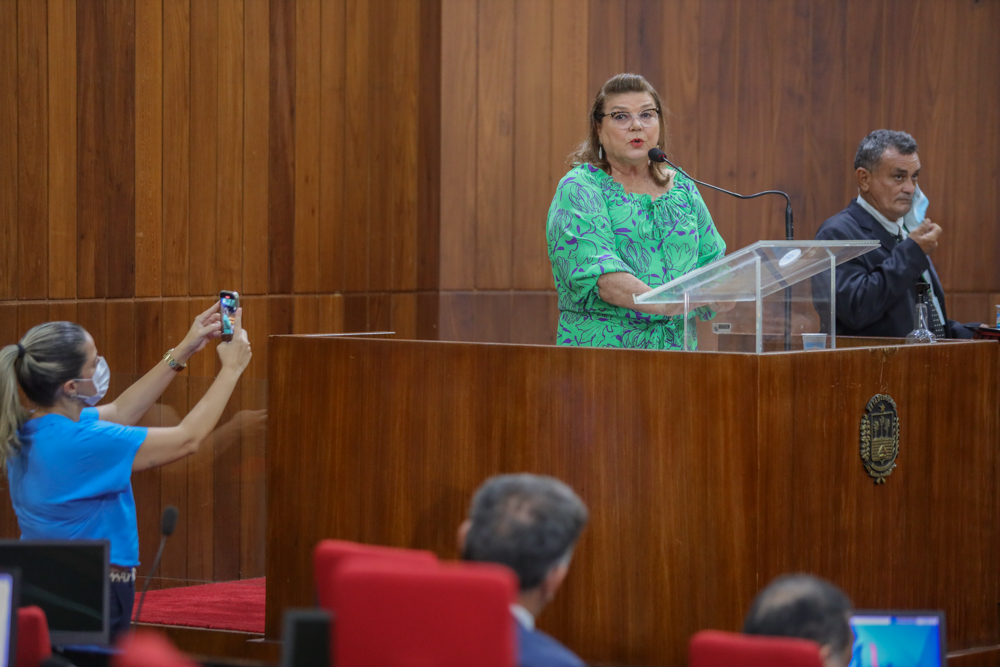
[[760, 298]]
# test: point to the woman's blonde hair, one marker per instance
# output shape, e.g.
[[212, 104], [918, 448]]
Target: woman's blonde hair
[[587, 151], [48, 356]]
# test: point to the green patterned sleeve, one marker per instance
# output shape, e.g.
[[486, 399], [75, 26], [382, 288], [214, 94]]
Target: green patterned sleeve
[[581, 243], [711, 245]]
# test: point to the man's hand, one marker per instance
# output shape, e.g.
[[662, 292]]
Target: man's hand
[[926, 236]]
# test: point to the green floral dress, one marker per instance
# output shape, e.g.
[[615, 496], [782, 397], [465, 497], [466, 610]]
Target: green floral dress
[[594, 228]]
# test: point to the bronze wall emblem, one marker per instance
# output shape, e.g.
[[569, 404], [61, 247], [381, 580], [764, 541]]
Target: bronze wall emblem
[[880, 437]]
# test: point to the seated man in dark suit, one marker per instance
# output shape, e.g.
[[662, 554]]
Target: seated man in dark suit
[[530, 524], [876, 293], [805, 607]]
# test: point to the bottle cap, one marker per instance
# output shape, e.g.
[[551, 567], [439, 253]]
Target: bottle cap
[[922, 288]]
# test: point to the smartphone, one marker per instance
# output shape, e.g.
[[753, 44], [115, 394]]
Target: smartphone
[[229, 302]]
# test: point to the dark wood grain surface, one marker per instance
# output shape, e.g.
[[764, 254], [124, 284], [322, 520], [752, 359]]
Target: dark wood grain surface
[[706, 474]]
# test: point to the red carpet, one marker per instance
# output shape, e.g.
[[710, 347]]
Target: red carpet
[[230, 605]]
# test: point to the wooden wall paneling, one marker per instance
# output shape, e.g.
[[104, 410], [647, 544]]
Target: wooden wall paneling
[[380, 312], [495, 148], [229, 206], [428, 312], [355, 313], [357, 149], [63, 311], [756, 79], [280, 316], [118, 97], [826, 142], [605, 42], [332, 127], [331, 313], [403, 314], [534, 318], [174, 476], [428, 169], [476, 316], [679, 30], [253, 435], [8, 151], [967, 215], [10, 325], [201, 496], [382, 232], [149, 349], [789, 121], [533, 118], [308, 66], [256, 91], [644, 41], [62, 149], [402, 98], [865, 64], [30, 314], [305, 314], [227, 471], [571, 95], [177, 147], [719, 123], [203, 232], [118, 347], [970, 307], [32, 153], [281, 149], [148, 148], [460, 136], [92, 316], [92, 213]]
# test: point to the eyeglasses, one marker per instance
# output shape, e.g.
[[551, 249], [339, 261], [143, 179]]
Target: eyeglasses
[[624, 119]]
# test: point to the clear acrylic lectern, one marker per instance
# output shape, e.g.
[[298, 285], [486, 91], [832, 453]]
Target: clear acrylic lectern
[[765, 299]]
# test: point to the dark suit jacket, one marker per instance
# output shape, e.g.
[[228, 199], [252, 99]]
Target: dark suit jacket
[[537, 649], [876, 292]]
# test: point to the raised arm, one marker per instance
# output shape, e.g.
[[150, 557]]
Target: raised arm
[[164, 445], [133, 403]]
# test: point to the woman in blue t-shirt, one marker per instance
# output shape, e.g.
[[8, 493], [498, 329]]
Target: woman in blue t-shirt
[[70, 464]]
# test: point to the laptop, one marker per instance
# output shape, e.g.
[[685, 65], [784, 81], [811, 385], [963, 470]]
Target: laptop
[[898, 638]]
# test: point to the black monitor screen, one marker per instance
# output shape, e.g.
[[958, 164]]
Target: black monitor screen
[[69, 580]]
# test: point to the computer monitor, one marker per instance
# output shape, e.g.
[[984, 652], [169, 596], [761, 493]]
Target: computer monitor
[[10, 588], [69, 580], [900, 638]]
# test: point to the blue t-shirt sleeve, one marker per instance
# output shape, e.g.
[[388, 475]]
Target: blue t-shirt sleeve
[[105, 453]]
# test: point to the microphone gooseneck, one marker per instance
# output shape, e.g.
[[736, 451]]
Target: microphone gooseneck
[[656, 155], [168, 522]]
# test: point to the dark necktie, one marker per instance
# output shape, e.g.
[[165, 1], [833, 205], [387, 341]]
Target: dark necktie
[[936, 325]]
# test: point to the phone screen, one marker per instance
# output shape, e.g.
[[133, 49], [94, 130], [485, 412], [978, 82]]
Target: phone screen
[[230, 301]]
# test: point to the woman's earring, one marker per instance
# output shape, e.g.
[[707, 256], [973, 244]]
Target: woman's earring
[[600, 152]]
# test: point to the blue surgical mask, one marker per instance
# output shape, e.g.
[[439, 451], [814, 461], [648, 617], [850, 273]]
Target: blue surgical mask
[[101, 380]]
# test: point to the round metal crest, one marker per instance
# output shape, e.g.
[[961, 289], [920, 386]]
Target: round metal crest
[[880, 437]]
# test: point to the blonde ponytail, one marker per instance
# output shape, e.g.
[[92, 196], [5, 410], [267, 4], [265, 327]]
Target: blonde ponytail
[[12, 413], [48, 356]]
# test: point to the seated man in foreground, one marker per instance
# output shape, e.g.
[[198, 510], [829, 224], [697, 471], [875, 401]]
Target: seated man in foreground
[[529, 523], [876, 293], [805, 607]]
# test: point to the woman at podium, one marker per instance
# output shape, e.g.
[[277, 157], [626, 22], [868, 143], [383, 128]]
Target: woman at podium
[[621, 224]]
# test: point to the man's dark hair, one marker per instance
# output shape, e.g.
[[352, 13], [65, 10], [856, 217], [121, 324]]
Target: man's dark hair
[[529, 523], [802, 606], [872, 147]]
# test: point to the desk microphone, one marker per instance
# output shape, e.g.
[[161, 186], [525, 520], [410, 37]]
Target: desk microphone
[[167, 525], [656, 155]]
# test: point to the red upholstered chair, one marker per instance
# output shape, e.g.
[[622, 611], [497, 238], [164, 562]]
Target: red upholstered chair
[[145, 648], [712, 648], [33, 644], [393, 614], [330, 554]]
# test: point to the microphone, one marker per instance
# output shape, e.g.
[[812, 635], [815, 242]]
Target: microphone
[[167, 525], [656, 155]]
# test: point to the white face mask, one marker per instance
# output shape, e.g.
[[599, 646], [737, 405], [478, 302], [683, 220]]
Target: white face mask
[[101, 382]]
